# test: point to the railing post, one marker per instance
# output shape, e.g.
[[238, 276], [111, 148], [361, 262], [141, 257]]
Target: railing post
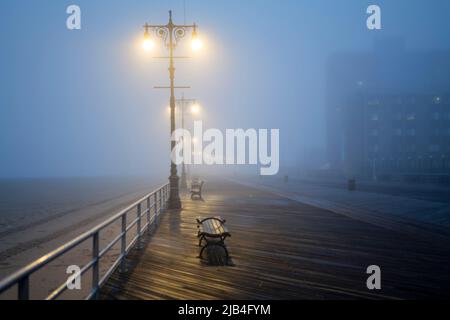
[[168, 192], [95, 266], [148, 213], [164, 196], [139, 225], [160, 201], [123, 245], [167, 196], [24, 288], [155, 208]]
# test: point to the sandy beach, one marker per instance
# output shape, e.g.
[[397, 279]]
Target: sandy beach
[[38, 215]]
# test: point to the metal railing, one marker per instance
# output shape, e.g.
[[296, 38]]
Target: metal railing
[[21, 278]]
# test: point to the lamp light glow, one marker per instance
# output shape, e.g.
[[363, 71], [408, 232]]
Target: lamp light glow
[[196, 43], [148, 43], [195, 108]]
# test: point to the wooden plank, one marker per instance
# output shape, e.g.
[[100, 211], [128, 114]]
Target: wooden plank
[[280, 249]]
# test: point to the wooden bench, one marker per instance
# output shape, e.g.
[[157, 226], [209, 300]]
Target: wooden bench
[[214, 232], [196, 190]]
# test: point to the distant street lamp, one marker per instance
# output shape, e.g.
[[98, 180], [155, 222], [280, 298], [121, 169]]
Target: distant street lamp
[[171, 34], [183, 103]]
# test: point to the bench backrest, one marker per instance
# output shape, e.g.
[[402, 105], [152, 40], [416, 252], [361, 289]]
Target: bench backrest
[[197, 187]]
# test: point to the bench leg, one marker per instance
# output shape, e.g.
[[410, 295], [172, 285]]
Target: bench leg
[[220, 244], [203, 249], [196, 195], [200, 241], [226, 250]]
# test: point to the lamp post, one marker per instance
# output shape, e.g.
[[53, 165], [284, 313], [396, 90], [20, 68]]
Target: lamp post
[[171, 34], [183, 103]]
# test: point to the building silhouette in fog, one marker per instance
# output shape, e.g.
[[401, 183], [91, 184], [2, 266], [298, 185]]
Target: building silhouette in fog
[[388, 113]]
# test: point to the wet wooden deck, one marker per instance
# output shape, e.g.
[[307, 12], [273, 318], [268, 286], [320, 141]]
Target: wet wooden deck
[[280, 249]]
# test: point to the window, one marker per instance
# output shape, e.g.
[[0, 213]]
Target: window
[[435, 148], [376, 148], [375, 117], [435, 164], [437, 100], [447, 164], [411, 116], [398, 132], [411, 132], [436, 116]]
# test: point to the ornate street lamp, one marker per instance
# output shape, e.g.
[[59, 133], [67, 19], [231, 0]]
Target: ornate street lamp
[[171, 34]]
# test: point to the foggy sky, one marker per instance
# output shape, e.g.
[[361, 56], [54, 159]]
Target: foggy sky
[[82, 103]]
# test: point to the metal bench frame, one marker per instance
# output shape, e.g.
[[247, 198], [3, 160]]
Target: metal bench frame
[[196, 190], [212, 239]]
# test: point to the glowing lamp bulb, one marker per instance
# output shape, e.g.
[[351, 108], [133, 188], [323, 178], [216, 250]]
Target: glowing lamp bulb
[[195, 109], [148, 43], [196, 43]]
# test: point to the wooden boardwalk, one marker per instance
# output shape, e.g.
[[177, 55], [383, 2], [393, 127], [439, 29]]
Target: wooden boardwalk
[[280, 249]]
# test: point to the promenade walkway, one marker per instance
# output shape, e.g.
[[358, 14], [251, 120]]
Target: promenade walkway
[[280, 249]]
